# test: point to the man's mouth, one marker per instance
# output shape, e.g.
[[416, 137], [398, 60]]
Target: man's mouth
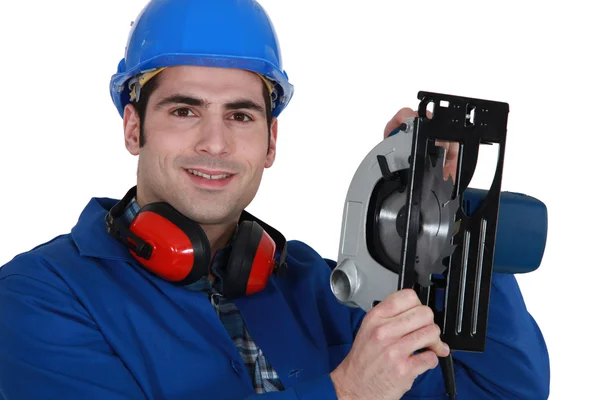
[[209, 176]]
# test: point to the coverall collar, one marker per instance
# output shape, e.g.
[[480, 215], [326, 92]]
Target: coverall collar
[[90, 235]]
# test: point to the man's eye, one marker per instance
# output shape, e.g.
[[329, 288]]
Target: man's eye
[[183, 112], [241, 117]]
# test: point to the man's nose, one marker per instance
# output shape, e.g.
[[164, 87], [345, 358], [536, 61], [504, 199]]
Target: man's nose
[[213, 137]]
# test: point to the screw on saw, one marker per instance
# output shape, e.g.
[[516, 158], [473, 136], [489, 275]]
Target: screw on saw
[[403, 127]]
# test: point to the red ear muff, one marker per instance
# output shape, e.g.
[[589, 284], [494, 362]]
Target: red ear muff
[[176, 249], [251, 261], [180, 251]]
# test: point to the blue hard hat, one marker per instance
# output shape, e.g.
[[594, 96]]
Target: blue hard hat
[[217, 33]]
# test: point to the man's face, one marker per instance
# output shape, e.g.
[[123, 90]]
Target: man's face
[[205, 142]]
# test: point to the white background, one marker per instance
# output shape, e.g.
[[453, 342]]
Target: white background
[[354, 64]]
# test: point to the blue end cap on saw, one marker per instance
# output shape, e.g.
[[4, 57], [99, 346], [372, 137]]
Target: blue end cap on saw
[[396, 130], [521, 233]]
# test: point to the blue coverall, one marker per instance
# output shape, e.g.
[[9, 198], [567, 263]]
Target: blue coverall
[[80, 319]]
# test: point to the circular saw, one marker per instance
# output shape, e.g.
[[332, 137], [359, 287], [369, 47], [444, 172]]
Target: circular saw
[[400, 226], [405, 226], [371, 273]]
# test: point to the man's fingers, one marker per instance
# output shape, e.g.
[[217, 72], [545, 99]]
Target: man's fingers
[[427, 337], [400, 117], [451, 162], [397, 120], [451, 158], [422, 362], [410, 321], [396, 303], [450, 170]]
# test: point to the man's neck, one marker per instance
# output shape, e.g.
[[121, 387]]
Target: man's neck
[[219, 236]]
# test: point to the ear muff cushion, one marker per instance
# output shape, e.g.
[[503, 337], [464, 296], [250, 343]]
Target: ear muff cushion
[[242, 259], [181, 250], [263, 264]]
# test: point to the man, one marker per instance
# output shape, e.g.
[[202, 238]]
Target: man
[[94, 315]]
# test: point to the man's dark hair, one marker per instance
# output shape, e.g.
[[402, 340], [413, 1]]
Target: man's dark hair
[[142, 104]]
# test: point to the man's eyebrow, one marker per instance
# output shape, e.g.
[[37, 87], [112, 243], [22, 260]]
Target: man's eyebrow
[[238, 104], [245, 104], [181, 99]]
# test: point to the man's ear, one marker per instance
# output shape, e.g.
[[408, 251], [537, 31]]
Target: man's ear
[[131, 129], [272, 144]]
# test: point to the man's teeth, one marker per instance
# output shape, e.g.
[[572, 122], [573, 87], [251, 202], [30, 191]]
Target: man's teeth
[[198, 173]]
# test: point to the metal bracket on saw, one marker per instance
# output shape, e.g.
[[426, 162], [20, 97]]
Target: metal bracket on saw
[[465, 286]]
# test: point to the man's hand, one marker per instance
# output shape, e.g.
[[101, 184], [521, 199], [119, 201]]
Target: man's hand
[[450, 163], [382, 363]]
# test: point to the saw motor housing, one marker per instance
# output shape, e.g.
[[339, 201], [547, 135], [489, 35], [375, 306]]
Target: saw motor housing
[[370, 267]]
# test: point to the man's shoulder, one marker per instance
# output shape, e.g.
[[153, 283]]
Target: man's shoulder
[[42, 261], [307, 270], [68, 256], [304, 258]]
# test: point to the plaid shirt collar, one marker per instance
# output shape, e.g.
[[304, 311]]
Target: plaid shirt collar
[[204, 284]]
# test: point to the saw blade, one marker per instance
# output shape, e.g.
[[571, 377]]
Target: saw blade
[[437, 222]]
